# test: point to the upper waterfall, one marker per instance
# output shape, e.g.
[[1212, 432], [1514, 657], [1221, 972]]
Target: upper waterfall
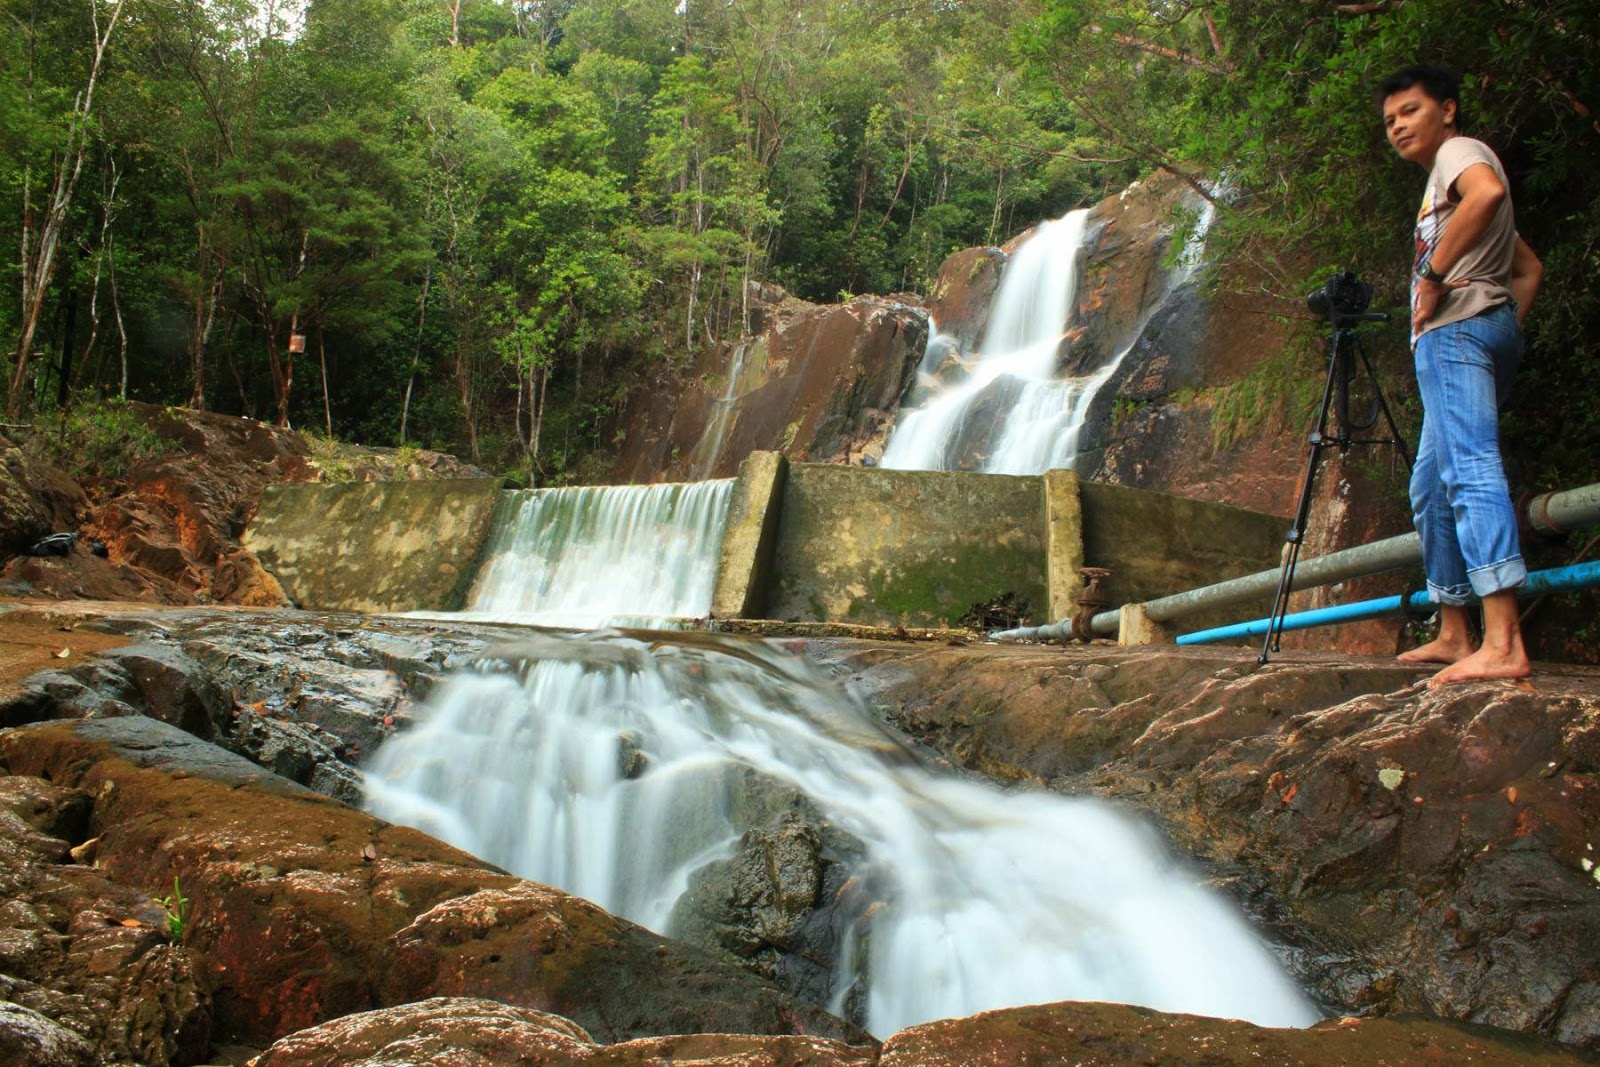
[[617, 769], [1008, 411], [597, 555], [1017, 358]]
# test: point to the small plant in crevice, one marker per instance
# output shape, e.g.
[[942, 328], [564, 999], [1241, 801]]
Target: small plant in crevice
[[176, 906]]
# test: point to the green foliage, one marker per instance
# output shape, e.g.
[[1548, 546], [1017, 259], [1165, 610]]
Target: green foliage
[[177, 908], [98, 441], [500, 221]]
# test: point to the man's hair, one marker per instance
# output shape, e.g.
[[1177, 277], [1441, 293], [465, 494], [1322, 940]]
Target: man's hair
[[1437, 82]]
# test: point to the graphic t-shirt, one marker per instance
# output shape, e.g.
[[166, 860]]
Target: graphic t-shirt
[[1487, 264]]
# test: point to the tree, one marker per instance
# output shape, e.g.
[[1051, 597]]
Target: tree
[[44, 210]]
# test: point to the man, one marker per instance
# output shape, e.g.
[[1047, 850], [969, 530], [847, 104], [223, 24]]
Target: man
[[1473, 281]]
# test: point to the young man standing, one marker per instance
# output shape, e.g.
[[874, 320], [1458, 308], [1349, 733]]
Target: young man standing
[[1473, 281]]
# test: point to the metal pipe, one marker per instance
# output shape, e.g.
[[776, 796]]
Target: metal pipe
[[1558, 579], [1548, 513]]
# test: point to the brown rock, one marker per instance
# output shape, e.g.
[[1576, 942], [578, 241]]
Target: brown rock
[[88, 971], [818, 384], [467, 1032], [1439, 895], [292, 922], [1114, 1035]]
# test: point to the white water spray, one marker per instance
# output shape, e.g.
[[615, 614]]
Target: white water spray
[[1035, 418], [603, 555], [984, 899]]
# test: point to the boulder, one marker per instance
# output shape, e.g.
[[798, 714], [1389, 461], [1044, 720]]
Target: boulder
[[818, 384], [467, 1032], [301, 910], [1115, 1035], [90, 971]]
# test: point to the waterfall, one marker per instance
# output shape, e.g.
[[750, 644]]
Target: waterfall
[[1011, 409], [703, 459], [613, 768], [597, 555], [1019, 349]]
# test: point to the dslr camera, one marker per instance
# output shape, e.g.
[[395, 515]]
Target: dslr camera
[[1344, 297]]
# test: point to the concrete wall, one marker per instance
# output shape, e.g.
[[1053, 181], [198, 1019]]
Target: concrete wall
[[373, 546], [806, 542], [915, 548], [1157, 545]]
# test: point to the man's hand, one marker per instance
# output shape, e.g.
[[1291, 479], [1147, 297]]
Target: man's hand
[[1429, 296]]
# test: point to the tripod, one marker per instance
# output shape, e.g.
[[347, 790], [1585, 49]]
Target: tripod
[[1345, 351]]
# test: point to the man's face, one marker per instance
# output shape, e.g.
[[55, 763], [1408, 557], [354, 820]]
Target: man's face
[[1417, 124]]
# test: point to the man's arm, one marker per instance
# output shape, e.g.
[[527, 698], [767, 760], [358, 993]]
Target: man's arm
[[1481, 193], [1526, 273]]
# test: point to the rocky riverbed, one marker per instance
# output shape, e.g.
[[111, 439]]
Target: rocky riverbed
[[1407, 852]]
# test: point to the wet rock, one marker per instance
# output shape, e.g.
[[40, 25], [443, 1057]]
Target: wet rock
[[28, 1037], [89, 973], [818, 384], [756, 904], [1112, 1035], [458, 1031], [961, 295], [1460, 891], [302, 910]]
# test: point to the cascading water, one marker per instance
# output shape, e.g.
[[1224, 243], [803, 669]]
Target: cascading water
[[1030, 420], [703, 460], [603, 555], [613, 769]]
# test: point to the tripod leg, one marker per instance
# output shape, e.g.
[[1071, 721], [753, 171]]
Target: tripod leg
[[1302, 514], [1388, 417]]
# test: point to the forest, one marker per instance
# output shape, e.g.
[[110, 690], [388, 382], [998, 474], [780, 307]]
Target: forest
[[476, 225]]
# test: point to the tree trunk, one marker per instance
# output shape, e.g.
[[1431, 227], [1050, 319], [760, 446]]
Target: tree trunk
[[416, 355], [38, 259], [322, 358]]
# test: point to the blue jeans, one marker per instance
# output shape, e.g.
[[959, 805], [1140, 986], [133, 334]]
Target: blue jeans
[[1459, 497]]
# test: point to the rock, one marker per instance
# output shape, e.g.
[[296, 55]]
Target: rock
[[29, 1039], [460, 1031], [759, 905], [34, 497], [817, 384], [302, 910], [1461, 893], [1114, 1035], [88, 972]]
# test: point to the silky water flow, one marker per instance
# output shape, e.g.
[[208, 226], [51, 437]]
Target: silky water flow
[[1031, 418], [602, 555], [615, 768]]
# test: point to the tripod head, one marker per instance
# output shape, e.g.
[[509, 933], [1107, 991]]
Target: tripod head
[[1344, 300]]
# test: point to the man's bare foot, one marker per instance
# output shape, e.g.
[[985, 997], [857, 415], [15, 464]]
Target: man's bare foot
[[1486, 663], [1440, 650]]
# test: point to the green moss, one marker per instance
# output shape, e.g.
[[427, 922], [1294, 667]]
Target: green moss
[[926, 591]]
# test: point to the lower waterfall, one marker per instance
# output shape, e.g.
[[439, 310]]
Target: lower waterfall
[[603, 555], [616, 768]]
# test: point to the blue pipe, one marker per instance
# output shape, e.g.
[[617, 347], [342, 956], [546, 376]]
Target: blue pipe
[[1555, 580]]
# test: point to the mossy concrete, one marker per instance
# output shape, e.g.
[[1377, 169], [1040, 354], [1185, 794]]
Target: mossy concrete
[[374, 546], [904, 548], [745, 569]]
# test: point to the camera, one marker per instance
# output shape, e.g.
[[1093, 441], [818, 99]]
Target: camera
[[1344, 297]]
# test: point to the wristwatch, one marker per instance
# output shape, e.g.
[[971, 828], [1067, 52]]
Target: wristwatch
[[1427, 271]]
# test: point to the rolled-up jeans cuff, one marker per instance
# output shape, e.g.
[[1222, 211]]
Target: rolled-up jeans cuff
[[1498, 577], [1454, 595]]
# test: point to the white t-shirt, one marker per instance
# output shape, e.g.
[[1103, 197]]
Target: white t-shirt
[[1487, 264]]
